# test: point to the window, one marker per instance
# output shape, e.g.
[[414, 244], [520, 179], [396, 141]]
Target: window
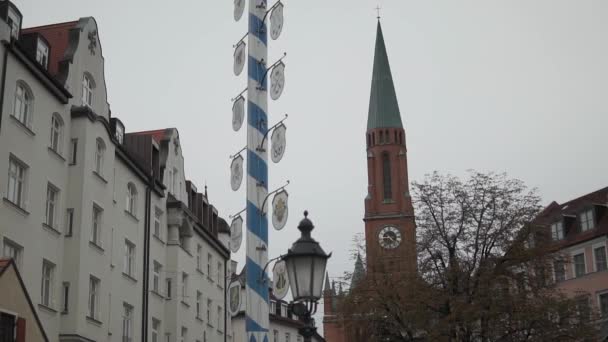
[[56, 133], [73, 150], [209, 260], [24, 101], [99, 152], [600, 258], [156, 277], [168, 285], [52, 199], [16, 182], [586, 219], [119, 132], [579, 265], [219, 273], [199, 298], [158, 214], [273, 307], [559, 270], [220, 315], [386, 176], [127, 323], [13, 251], [209, 306], [129, 259], [155, 330], [283, 310], [87, 90], [287, 337], [184, 286], [93, 297], [557, 230], [131, 199], [14, 22], [199, 257], [603, 298], [46, 289], [583, 308], [275, 335], [69, 222], [96, 228], [184, 334], [7, 327], [65, 290], [42, 53]]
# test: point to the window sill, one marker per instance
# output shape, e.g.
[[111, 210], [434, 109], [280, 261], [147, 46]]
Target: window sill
[[23, 126], [219, 286], [96, 247], [185, 250], [220, 332], [209, 325], [185, 304], [130, 277], [158, 239], [388, 201], [56, 154], [94, 321], [200, 320], [157, 294], [210, 279], [51, 229], [16, 207], [200, 272], [100, 177], [131, 216], [64, 312], [48, 309]]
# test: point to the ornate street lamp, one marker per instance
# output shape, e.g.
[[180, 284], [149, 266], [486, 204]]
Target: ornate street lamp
[[306, 262]]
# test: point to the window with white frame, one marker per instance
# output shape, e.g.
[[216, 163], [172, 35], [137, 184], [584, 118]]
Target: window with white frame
[[24, 101], [603, 304], [184, 286], [199, 303], [209, 261], [87, 90], [96, 226], [42, 53], [158, 214], [273, 307], [131, 199], [14, 22], [127, 323], [52, 201], [129, 259], [155, 330], [283, 310], [46, 288], [93, 309], [557, 230], [156, 277], [559, 270], [199, 257], [209, 306], [579, 265], [600, 258], [17, 172], [56, 133], [586, 220], [184, 335], [100, 149], [13, 251]]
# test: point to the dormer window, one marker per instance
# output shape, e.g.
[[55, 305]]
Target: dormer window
[[14, 22], [119, 133], [42, 53], [586, 220], [557, 231]]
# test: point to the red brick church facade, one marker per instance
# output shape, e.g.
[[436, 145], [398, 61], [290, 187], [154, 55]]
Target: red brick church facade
[[390, 231]]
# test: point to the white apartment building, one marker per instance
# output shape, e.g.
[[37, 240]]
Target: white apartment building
[[112, 242]]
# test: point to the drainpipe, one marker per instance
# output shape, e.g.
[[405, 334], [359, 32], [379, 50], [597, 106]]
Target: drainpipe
[[146, 262], [226, 303], [3, 86]]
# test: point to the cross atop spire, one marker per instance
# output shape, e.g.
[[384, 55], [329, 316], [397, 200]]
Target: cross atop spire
[[383, 106], [378, 8]]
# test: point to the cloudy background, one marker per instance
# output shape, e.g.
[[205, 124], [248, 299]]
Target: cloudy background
[[510, 86]]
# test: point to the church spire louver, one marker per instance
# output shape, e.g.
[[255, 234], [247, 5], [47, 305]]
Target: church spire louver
[[383, 106]]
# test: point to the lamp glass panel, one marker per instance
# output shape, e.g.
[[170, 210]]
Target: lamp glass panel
[[303, 275], [318, 276], [291, 274]]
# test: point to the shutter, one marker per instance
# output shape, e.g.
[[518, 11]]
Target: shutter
[[20, 330]]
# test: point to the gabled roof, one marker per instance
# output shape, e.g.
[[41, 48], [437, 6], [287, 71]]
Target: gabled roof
[[158, 134], [383, 106]]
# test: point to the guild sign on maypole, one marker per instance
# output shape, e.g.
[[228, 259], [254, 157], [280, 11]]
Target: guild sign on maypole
[[263, 78]]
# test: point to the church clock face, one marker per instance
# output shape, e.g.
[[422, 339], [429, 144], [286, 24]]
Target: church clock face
[[389, 237]]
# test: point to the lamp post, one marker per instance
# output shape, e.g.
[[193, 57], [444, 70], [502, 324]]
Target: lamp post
[[306, 262]]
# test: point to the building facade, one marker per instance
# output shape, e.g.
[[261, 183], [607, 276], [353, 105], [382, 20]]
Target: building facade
[[111, 239], [578, 233], [390, 229]]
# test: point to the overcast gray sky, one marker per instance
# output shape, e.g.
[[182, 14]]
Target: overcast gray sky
[[516, 86]]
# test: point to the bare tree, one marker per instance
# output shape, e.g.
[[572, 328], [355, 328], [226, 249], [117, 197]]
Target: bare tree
[[482, 271]]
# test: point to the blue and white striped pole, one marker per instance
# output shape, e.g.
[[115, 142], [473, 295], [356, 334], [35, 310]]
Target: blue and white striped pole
[[257, 176]]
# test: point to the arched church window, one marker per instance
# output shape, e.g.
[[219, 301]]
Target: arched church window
[[386, 176]]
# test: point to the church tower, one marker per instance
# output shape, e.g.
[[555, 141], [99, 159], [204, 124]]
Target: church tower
[[390, 230]]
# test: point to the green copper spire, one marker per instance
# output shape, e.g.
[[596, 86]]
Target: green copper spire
[[383, 107], [358, 273]]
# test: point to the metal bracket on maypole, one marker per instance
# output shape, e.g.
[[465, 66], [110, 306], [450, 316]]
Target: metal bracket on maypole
[[256, 45]]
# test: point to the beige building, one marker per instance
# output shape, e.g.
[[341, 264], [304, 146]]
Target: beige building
[[112, 240]]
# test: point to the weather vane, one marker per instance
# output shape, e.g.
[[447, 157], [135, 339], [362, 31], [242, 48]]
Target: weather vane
[[378, 8]]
